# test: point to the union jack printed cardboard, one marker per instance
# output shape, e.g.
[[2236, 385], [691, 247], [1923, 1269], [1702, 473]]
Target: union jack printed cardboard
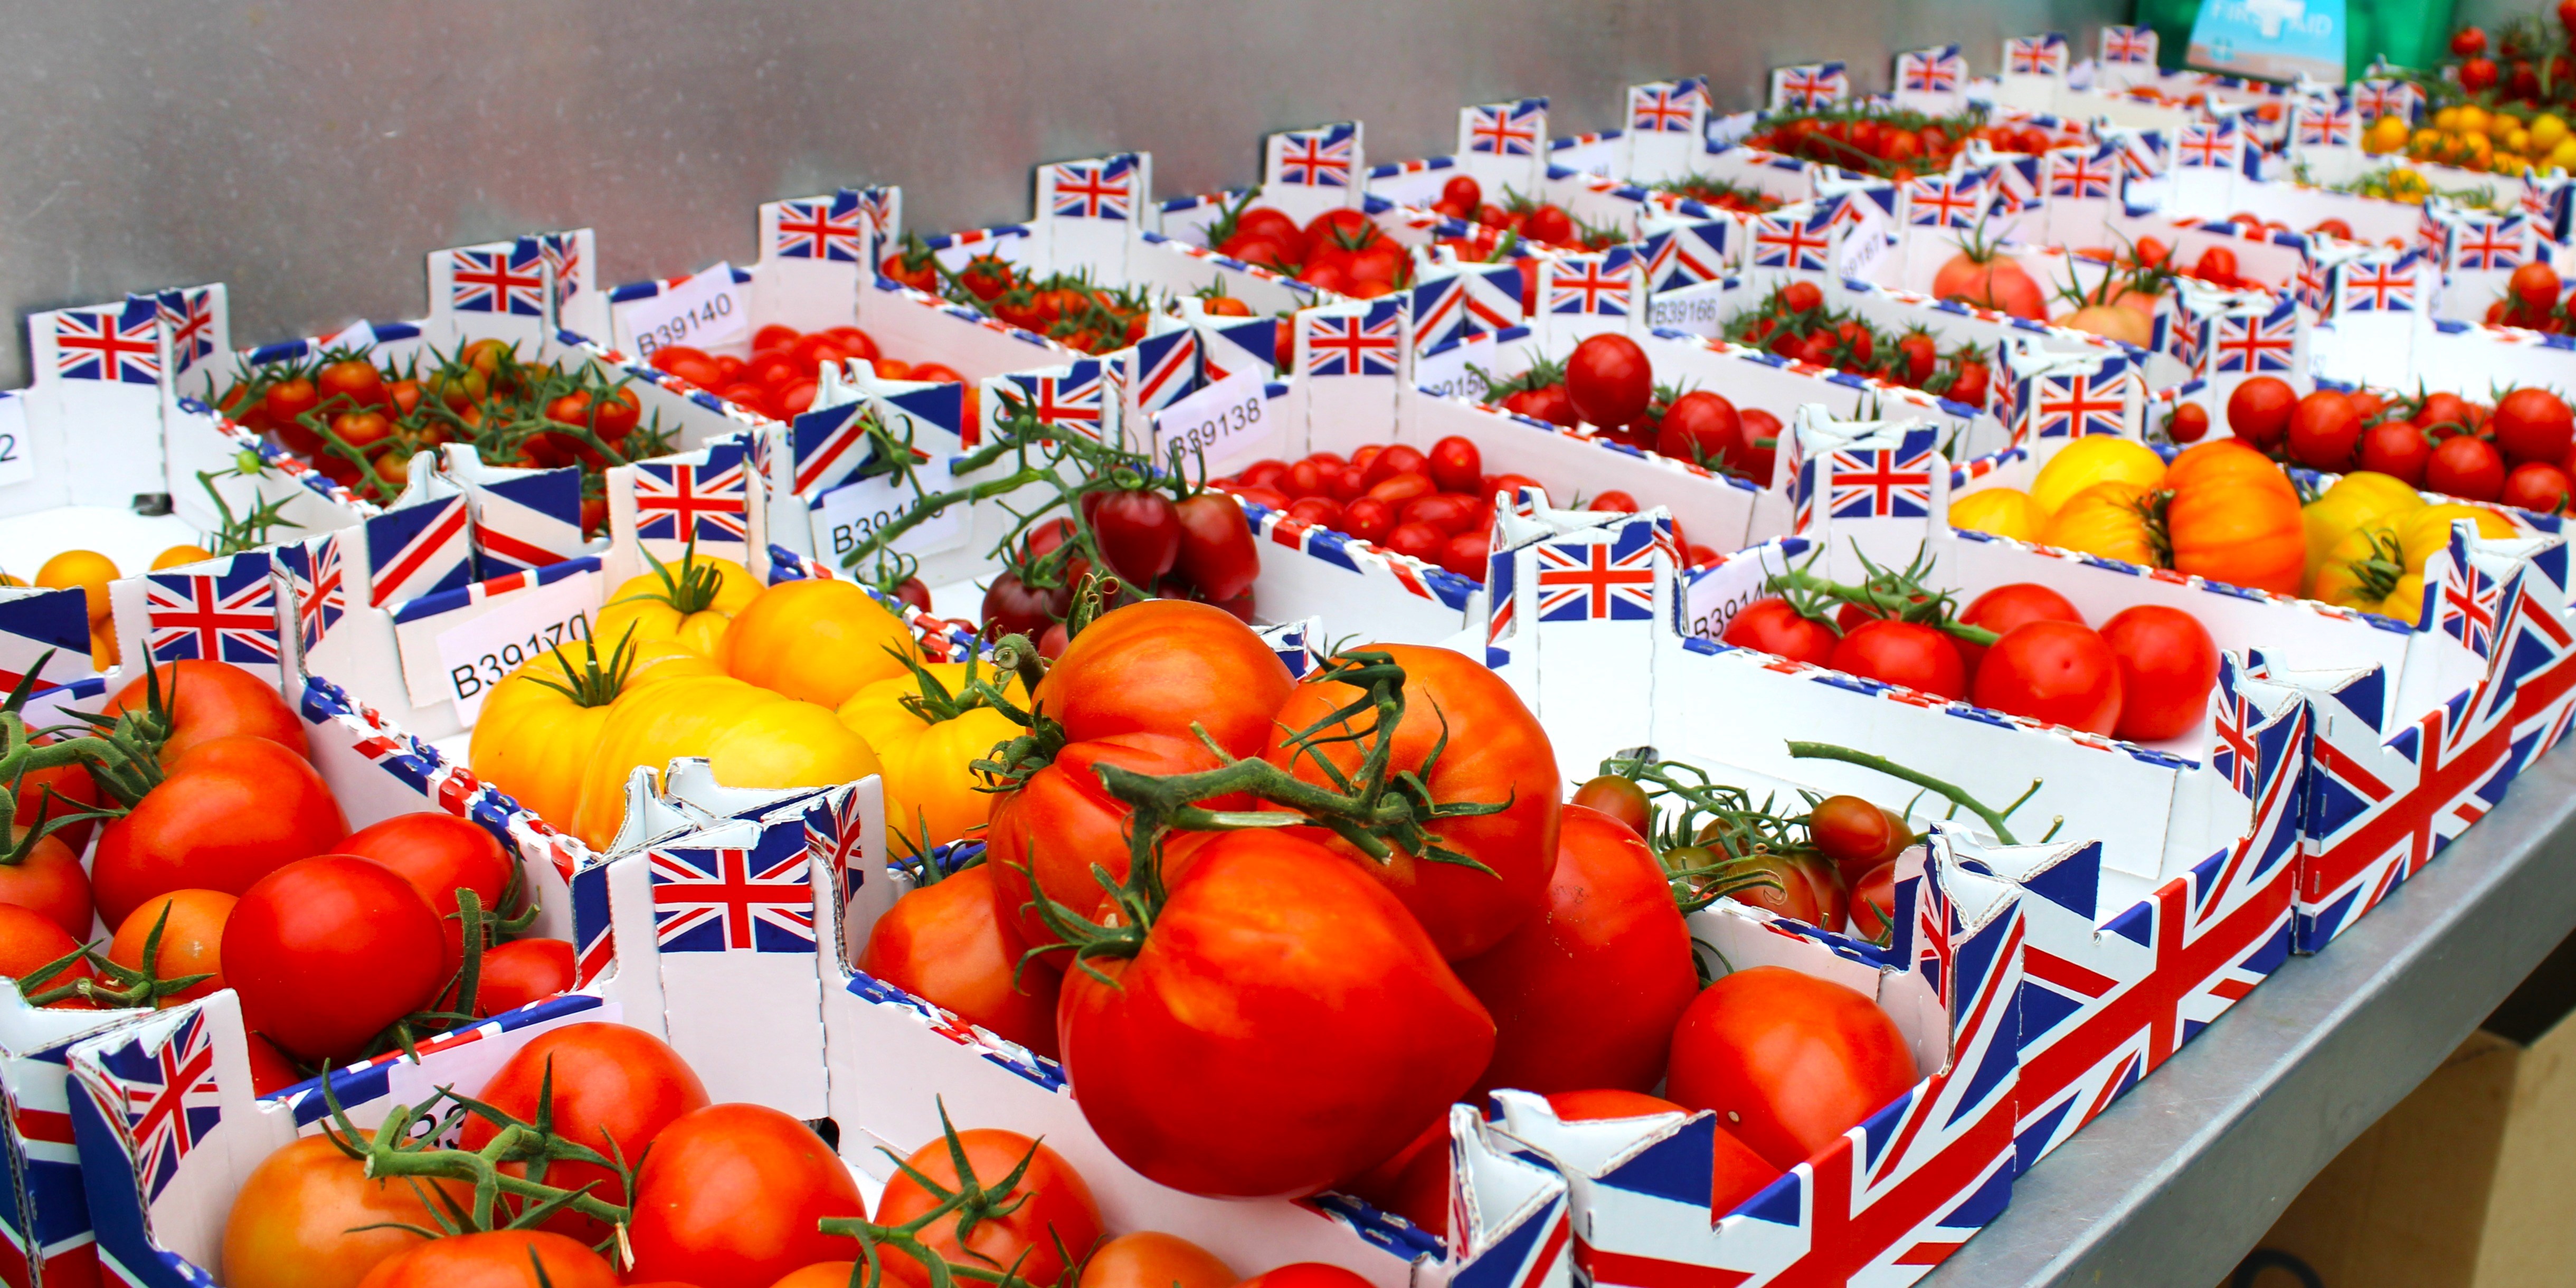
[[1933, 80], [2479, 250], [1809, 87], [45, 1233], [2126, 57], [1504, 145], [1667, 122]]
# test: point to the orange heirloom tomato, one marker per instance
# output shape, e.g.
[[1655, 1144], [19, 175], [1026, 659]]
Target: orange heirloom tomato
[[2234, 517], [1153, 1259], [690, 603], [2106, 519], [750, 737], [818, 641], [297, 1221], [535, 733]]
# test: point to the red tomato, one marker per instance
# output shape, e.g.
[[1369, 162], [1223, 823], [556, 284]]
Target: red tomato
[[1062, 820], [730, 1195], [615, 1089], [1139, 533], [947, 942], [1702, 428], [2324, 430], [2445, 409], [1464, 190], [1368, 519], [2168, 665], [1848, 829], [1616, 798], [1612, 502], [1469, 554], [1594, 1104], [1051, 1222], [2217, 264], [438, 854], [1388, 462], [2188, 424], [2536, 485], [498, 1259], [1339, 1017], [327, 951], [1586, 993], [2532, 425], [1450, 513], [1397, 489], [1495, 752], [1456, 464], [50, 881], [2533, 286], [213, 699], [1218, 553], [1609, 379], [1321, 511], [1549, 403], [2466, 467], [37, 801], [1803, 890], [1152, 1259], [2060, 673], [1762, 438], [1772, 626], [1873, 902], [1903, 653], [1305, 1274], [774, 336], [28, 940], [1161, 665], [227, 813], [2005, 607], [1416, 541], [520, 972], [2397, 449], [2259, 410], [1548, 223], [1788, 1061]]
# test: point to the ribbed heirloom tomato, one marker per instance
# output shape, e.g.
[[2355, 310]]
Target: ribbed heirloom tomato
[[949, 942], [1051, 830], [1490, 750], [1339, 1036]]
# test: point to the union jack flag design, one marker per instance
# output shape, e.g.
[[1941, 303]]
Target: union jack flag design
[[835, 833], [1166, 368], [507, 280], [315, 578], [1242, 346], [563, 260], [1664, 107], [1494, 294], [2042, 55], [1501, 577], [121, 344], [728, 901], [2378, 286], [165, 1097], [1439, 312], [2083, 174], [2210, 145], [2372, 99], [1688, 255], [1880, 483], [594, 943], [826, 228], [1366, 343], [31, 626], [45, 1219], [2142, 153], [1596, 285], [2323, 125], [2186, 338], [2074, 404], [2128, 46], [1792, 241], [1506, 129], [226, 617], [2256, 342], [707, 503], [1603, 581], [828, 446], [1931, 71], [1809, 87], [1947, 200], [1104, 189], [189, 318], [419, 549], [2488, 242], [2466, 609], [532, 521], [1076, 399], [1315, 158]]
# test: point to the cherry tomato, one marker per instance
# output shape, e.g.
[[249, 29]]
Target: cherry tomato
[[2324, 430], [1620, 799], [1218, 552], [2536, 485], [520, 972], [1609, 379], [1468, 554], [1416, 541], [439, 854], [1456, 464], [2397, 449], [948, 942], [2445, 409], [192, 937], [1139, 533], [1319, 511], [2466, 467], [2188, 424], [1368, 519], [355, 379], [1788, 1061], [2532, 425], [1772, 626], [1585, 994], [2217, 264], [2060, 673], [1549, 224], [211, 700], [1873, 902], [2259, 410], [1903, 653], [2005, 607], [1051, 1222], [1702, 428], [2168, 665], [1848, 828], [327, 951], [1391, 461], [1464, 190], [228, 812], [1304, 1274], [1612, 502], [730, 1196]]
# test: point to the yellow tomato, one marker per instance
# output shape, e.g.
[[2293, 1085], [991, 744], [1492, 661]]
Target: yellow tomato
[[2358, 569], [819, 641], [2405, 601], [2003, 511], [2562, 154], [534, 736], [103, 651], [2387, 134], [2448, 119], [2548, 130], [750, 737], [180, 557], [87, 569], [2517, 142], [690, 602], [929, 791], [2471, 119], [2106, 519], [2094, 458], [2421, 532], [2356, 499]]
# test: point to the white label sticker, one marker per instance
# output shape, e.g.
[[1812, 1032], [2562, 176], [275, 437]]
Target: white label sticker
[[848, 514], [477, 653], [1692, 308], [704, 312], [1224, 420], [17, 454], [1451, 373], [1863, 247]]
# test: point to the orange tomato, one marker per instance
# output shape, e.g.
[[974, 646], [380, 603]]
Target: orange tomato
[[192, 940]]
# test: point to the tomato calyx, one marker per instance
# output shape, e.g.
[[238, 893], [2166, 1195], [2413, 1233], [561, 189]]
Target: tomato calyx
[[1895, 594], [2375, 574], [507, 1174], [971, 1203], [594, 685], [692, 590], [124, 987]]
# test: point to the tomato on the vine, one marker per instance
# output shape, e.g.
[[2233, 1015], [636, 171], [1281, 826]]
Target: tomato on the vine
[[192, 937], [495, 1259], [29, 940], [1061, 820], [439, 854], [213, 700], [1776, 627], [1910, 654], [309, 1214], [2005, 607], [228, 811], [1049, 1223], [522, 971], [1158, 667], [730, 1197]]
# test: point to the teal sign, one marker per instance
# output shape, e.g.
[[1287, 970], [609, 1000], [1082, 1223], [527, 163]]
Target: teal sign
[[2271, 39]]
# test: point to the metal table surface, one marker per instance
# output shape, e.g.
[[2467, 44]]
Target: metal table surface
[[2173, 1185]]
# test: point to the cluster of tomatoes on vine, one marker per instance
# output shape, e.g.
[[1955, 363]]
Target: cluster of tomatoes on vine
[[781, 377], [2534, 299], [1719, 194], [1341, 250], [1542, 222], [2516, 450], [1891, 145], [1793, 322], [2535, 68], [359, 423], [1067, 308], [1608, 383]]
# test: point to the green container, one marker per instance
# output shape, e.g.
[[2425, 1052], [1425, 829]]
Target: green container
[[2409, 33]]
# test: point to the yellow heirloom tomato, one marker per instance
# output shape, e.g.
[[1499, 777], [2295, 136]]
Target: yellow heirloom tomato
[[819, 641], [750, 737], [535, 733], [2094, 458], [2003, 511], [927, 729], [690, 602], [2356, 499], [2106, 519]]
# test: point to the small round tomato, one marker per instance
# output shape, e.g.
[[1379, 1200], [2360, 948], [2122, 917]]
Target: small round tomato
[[327, 951], [1702, 428], [439, 854], [730, 1197], [2060, 673], [1218, 553], [1873, 902], [1617, 798], [1848, 828], [520, 972], [2532, 425], [1788, 1061], [192, 938], [1049, 1223], [50, 881], [1464, 190], [615, 1089], [2259, 410], [228, 812], [2536, 485], [1152, 1259], [496, 1259], [2324, 430], [212, 700], [1368, 519], [309, 1215], [1773, 626], [1456, 464], [2466, 467], [2168, 665], [948, 942], [1139, 532], [1903, 653], [29, 940], [1609, 379], [1389, 462], [1585, 993], [2188, 424], [2397, 449], [2005, 607]]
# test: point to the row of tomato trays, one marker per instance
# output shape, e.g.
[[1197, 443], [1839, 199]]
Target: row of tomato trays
[[1345, 406], [2252, 891]]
